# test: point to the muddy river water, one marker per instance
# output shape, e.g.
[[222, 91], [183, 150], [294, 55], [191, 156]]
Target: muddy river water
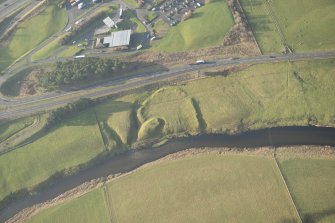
[[283, 136]]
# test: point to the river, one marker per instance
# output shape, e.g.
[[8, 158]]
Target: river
[[282, 136]]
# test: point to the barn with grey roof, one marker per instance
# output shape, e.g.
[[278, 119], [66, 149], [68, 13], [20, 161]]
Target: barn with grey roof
[[117, 39]]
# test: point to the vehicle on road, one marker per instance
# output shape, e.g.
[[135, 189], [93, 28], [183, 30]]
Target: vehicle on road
[[198, 62], [79, 57]]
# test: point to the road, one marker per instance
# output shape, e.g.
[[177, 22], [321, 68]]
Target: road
[[9, 6], [34, 104]]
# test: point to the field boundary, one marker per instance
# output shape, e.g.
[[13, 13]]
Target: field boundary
[[279, 30], [108, 202], [101, 132], [286, 186], [249, 25]]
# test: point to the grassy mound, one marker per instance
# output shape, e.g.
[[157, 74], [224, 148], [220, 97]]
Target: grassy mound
[[207, 27], [152, 128]]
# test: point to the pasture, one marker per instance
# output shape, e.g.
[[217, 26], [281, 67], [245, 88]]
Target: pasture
[[74, 142], [207, 27], [32, 32], [88, 208], [202, 188], [311, 180], [302, 25]]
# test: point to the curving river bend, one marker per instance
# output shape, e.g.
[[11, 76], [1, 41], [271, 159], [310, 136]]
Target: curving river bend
[[281, 136]]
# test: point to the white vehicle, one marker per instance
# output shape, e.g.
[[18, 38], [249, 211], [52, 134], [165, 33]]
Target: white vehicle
[[79, 21], [79, 57], [139, 47], [200, 62], [68, 29], [154, 9], [153, 38], [81, 5]]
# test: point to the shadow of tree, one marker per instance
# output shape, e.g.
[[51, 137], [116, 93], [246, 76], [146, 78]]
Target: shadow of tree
[[318, 216]]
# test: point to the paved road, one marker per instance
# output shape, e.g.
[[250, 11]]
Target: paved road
[[9, 6], [35, 104]]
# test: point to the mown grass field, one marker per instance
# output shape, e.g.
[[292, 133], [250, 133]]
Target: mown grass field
[[203, 188], [89, 208], [305, 25], [311, 180], [32, 32], [264, 95], [207, 27]]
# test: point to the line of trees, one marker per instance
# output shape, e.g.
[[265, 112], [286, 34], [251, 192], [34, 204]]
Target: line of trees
[[57, 115], [72, 71]]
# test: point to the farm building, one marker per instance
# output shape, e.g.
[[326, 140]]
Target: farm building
[[109, 22], [118, 40]]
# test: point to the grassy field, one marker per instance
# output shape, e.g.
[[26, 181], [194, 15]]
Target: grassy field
[[88, 208], [311, 180], [307, 26], [263, 26], [74, 142], [207, 27], [32, 32], [204, 188]]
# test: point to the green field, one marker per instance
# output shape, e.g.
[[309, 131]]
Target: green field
[[88, 208], [74, 142], [260, 96], [305, 25], [207, 27], [263, 26], [311, 180], [203, 188], [32, 32]]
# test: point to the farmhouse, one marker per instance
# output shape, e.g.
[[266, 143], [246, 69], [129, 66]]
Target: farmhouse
[[117, 40]]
